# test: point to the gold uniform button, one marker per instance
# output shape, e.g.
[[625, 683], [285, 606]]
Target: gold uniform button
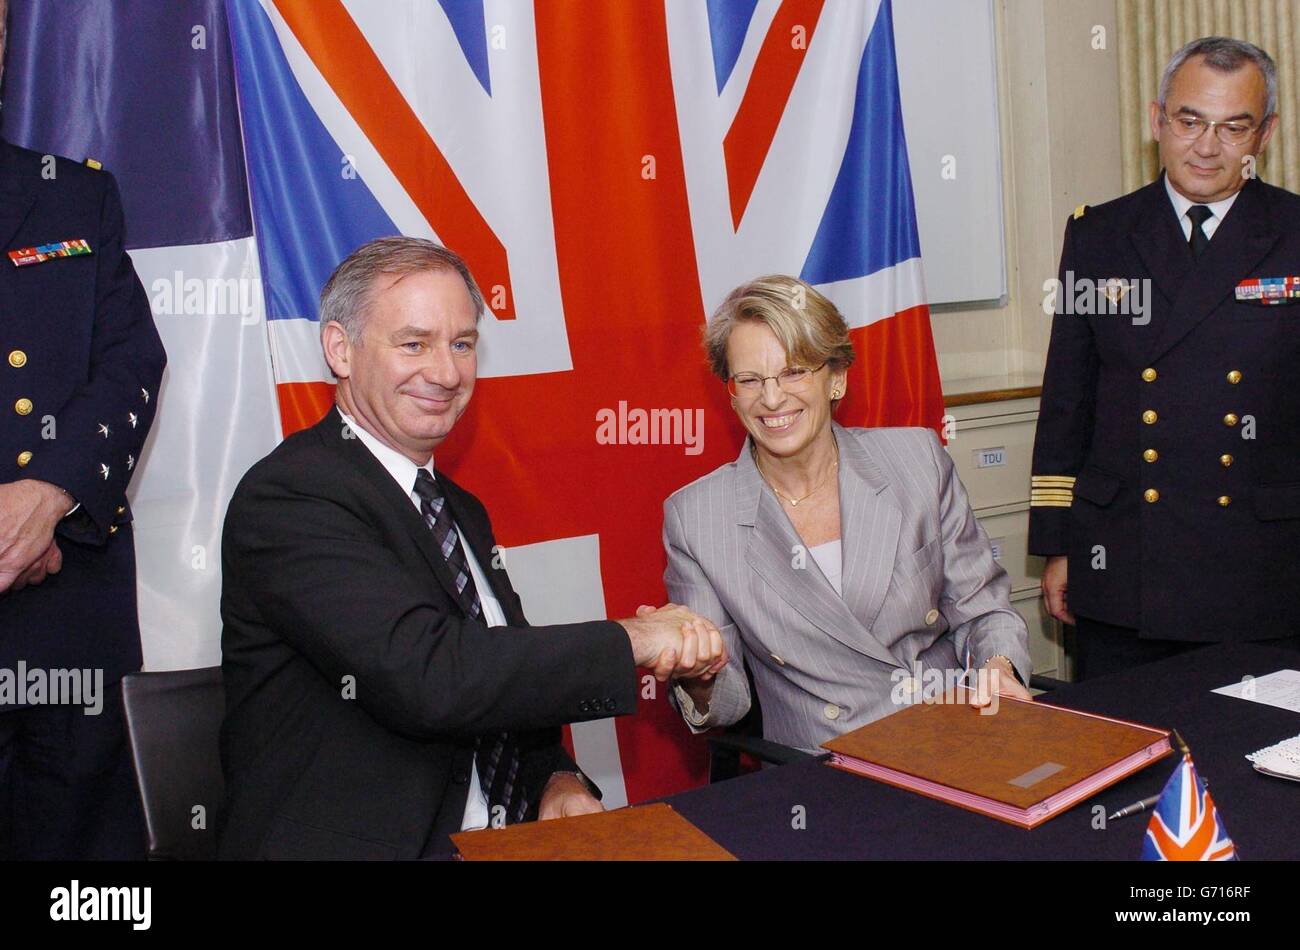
[[1234, 377], [17, 359], [1150, 455], [1149, 375], [1149, 417], [1230, 419], [23, 406], [1225, 501], [112, 529], [121, 510], [1225, 460], [1151, 495], [24, 458]]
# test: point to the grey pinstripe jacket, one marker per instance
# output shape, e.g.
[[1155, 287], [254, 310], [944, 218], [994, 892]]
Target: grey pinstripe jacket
[[920, 588]]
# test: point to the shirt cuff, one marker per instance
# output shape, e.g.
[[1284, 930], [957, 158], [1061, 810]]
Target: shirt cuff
[[687, 706]]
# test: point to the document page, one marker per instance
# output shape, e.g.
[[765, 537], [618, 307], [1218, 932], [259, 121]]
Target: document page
[[1281, 689]]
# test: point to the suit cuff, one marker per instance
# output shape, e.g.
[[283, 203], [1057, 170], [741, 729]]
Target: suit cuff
[[1011, 644]]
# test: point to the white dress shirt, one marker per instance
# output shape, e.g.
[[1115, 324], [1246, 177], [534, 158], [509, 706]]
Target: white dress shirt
[[404, 473], [1217, 209]]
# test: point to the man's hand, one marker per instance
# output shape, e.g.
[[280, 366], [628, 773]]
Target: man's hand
[[565, 796], [673, 641], [1055, 587], [50, 562], [29, 511]]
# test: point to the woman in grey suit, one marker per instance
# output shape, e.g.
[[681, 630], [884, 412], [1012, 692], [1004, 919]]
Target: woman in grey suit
[[844, 565]]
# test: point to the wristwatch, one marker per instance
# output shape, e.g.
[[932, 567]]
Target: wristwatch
[[1014, 672]]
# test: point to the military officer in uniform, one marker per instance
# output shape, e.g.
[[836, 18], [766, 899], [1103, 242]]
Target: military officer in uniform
[[80, 365], [1166, 470]]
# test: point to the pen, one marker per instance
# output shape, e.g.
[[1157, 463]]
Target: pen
[[1136, 807]]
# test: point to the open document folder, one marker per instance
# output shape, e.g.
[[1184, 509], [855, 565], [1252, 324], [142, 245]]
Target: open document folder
[[1022, 762]]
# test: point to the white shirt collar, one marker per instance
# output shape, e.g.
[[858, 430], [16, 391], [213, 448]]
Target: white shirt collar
[[1182, 202], [397, 465]]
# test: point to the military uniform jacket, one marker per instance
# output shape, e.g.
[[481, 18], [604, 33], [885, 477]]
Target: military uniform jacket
[[80, 366], [1167, 457]]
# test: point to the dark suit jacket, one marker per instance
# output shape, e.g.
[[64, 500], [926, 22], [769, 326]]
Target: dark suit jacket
[[1213, 551], [80, 366], [355, 684]]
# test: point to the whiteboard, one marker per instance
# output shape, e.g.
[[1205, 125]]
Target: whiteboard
[[947, 76]]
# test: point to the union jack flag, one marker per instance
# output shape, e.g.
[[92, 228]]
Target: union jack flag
[[609, 169], [1185, 825]]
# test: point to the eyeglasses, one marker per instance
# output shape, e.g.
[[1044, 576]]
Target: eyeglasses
[[1193, 127], [792, 379]]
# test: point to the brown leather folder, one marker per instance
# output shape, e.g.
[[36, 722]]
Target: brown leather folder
[[1022, 764], [645, 833]]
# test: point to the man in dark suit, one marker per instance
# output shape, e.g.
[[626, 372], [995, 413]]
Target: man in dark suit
[[80, 366], [383, 687], [1165, 488]]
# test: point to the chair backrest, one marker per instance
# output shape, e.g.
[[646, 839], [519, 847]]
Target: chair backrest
[[173, 720]]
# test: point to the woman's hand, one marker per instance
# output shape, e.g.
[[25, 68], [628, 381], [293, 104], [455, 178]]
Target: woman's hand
[[1001, 678]]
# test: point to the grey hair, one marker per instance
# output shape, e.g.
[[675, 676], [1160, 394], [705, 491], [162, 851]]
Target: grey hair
[[347, 295], [1227, 55]]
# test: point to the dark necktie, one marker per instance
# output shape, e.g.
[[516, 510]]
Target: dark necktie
[[1198, 215], [497, 756]]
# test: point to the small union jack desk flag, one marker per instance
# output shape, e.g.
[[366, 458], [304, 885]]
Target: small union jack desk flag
[[1185, 825]]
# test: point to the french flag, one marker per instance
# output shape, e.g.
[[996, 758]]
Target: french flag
[[609, 170]]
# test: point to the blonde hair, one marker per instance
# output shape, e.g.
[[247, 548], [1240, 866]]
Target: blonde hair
[[808, 326]]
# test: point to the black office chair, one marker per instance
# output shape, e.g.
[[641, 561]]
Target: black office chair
[[1045, 683], [173, 720], [746, 738]]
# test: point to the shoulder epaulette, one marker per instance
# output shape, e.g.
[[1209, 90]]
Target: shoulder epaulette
[[1080, 211], [97, 166]]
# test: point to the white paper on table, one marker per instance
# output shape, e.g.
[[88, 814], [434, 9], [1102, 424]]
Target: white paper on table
[[1281, 689], [1281, 760]]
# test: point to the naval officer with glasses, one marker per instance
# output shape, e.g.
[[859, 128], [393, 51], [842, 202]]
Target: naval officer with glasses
[[1166, 471]]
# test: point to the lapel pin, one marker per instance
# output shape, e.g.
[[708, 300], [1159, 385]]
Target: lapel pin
[[1117, 288]]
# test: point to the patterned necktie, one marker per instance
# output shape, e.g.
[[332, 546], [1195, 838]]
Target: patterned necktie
[[497, 756], [1198, 215]]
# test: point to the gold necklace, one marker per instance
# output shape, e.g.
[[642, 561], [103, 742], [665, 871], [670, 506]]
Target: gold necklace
[[794, 502]]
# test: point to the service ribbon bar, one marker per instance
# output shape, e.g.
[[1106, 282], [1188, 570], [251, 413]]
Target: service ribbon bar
[[36, 255]]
